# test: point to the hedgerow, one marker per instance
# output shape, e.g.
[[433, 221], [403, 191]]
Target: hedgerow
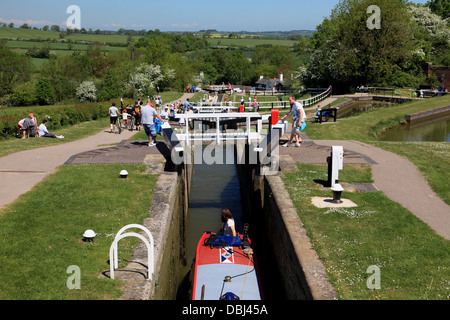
[[57, 116]]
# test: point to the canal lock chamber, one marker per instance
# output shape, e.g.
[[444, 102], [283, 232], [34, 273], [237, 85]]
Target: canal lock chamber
[[239, 186]]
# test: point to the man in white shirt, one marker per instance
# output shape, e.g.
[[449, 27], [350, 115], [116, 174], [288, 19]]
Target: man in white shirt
[[299, 118], [148, 113], [165, 114], [43, 131]]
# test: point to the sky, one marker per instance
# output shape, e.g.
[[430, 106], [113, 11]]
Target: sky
[[173, 15]]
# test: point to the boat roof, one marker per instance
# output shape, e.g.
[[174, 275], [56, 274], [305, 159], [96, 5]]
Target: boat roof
[[214, 262]]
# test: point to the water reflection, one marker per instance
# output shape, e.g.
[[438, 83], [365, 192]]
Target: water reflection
[[213, 187], [358, 107]]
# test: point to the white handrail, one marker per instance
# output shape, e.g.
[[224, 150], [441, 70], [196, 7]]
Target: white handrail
[[113, 251], [217, 117], [228, 105]]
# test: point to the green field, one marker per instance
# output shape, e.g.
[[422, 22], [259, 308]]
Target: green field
[[28, 34], [61, 44]]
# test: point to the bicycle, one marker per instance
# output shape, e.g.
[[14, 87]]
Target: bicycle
[[119, 126], [131, 123]]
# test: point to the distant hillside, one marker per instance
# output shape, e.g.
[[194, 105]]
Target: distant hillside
[[121, 36]]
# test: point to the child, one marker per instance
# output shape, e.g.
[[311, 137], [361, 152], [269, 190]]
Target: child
[[125, 116]]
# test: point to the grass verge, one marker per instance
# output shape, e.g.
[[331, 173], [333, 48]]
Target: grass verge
[[367, 126], [430, 157], [413, 261], [71, 133], [41, 233]]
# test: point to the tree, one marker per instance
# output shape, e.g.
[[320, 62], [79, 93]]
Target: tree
[[44, 92], [432, 36], [111, 86], [14, 69], [237, 69], [269, 61], [348, 53], [42, 52], [440, 7], [23, 95]]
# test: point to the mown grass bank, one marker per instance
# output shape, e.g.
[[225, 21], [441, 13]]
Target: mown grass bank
[[412, 261], [430, 157], [41, 234]]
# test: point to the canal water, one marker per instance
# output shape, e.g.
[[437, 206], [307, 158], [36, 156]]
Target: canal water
[[358, 107], [213, 187], [437, 130]]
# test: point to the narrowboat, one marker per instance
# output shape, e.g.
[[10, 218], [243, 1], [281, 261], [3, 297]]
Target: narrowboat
[[225, 268]]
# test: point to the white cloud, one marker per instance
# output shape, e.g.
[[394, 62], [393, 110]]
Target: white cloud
[[28, 21], [186, 25], [115, 25]]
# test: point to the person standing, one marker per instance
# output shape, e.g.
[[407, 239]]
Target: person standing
[[113, 114], [299, 118], [28, 126], [186, 104], [148, 113], [137, 115]]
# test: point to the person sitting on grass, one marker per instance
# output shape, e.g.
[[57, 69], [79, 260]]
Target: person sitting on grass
[[43, 131]]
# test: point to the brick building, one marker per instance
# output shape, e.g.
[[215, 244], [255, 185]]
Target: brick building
[[442, 73]]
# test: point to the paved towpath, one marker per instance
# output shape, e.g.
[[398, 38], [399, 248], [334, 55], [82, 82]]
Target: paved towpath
[[21, 171]]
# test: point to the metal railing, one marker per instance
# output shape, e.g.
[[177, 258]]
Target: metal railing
[[113, 251], [217, 134], [229, 106], [407, 93]]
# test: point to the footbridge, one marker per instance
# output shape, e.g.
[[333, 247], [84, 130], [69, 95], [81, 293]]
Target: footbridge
[[219, 123]]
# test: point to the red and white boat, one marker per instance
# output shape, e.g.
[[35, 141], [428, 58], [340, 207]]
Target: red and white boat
[[225, 269]]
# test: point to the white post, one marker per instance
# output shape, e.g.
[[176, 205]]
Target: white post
[[337, 158], [186, 122], [217, 130], [248, 129]]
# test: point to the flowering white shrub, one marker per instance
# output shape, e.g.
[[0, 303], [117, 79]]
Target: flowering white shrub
[[434, 24], [87, 91], [146, 78]]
